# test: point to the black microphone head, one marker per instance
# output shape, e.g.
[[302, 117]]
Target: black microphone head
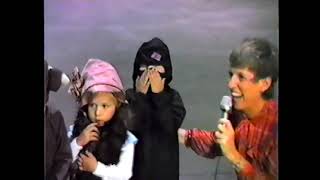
[[226, 103]]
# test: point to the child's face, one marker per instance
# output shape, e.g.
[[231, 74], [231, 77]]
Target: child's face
[[159, 68], [102, 108]]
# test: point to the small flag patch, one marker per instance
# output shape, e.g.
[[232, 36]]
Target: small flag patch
[[156, 56]]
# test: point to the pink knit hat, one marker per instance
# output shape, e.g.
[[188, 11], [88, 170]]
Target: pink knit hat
[[100, 76], [96, 76]]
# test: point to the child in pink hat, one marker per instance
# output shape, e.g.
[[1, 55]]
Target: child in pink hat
[[102, 147]]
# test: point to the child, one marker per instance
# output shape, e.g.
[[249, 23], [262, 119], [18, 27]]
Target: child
[[102, 147], [57, 150], [158, 112]]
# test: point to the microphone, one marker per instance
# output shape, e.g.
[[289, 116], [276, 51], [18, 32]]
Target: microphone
[[225, 105], [92, 145]]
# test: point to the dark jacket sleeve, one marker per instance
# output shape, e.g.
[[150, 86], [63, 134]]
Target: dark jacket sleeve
[[139, 110], [169, 110], [63, 157]]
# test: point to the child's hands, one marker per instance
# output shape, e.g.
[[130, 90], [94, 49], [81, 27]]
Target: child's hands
[[90, 133], [87, 162], [143, 82], [157, 84]]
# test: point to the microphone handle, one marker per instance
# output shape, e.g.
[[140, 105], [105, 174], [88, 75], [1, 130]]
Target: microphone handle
[[224, 114], [91, 147]]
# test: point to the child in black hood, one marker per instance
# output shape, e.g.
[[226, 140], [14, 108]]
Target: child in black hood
[[58, 155], [153, 53], [158, 112]]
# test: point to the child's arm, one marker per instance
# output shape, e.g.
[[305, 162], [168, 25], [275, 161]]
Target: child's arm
[[139, 108], [170, 110], [90, 133], [75, 149], [121, 171]]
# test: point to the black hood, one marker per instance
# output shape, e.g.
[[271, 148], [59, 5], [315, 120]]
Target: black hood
[[153, 52]]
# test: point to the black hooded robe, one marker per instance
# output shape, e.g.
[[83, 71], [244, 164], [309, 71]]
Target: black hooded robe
[[155, 119]]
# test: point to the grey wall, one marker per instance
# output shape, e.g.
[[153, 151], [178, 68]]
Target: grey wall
[[199, 33]]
